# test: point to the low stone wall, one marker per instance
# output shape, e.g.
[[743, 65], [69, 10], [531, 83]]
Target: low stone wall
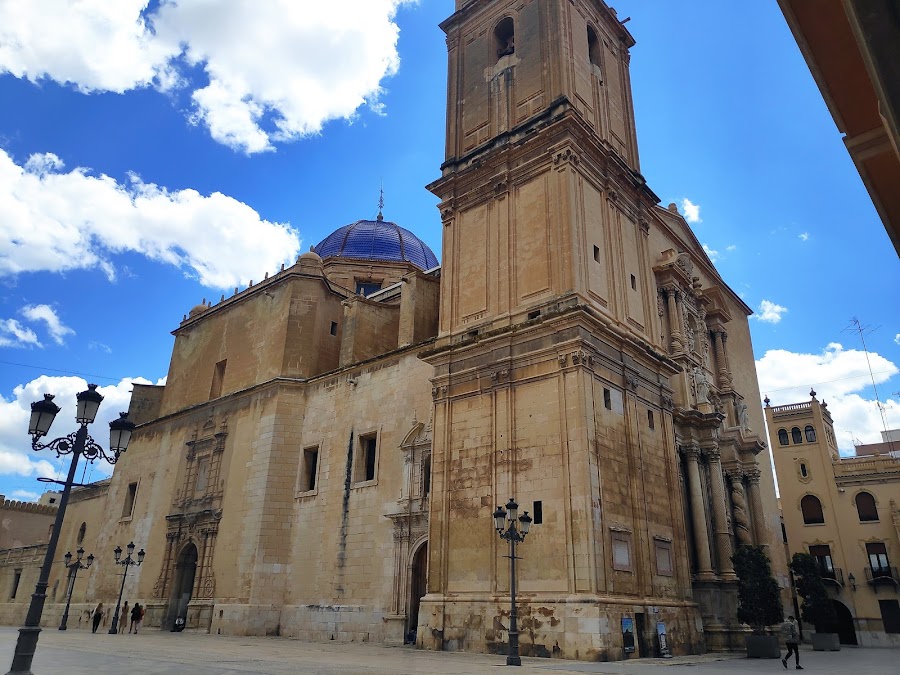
[[340, 623]]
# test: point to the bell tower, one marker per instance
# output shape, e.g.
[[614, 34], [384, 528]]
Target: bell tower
[[551, 376], [541, 170]]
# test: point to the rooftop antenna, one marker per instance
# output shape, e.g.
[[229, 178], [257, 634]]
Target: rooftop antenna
[[857, 327], [381, 202]]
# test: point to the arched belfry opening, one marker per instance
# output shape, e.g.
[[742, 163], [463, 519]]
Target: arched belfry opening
[[182, 584], [505, 37], [594, 47]]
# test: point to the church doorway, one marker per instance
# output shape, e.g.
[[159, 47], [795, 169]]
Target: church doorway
[[185, 571], [417, 586], [844, 627]]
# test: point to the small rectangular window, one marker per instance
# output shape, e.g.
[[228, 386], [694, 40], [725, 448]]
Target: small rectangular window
[[621, 551], [17, 577], [596, 254], [128, 507], [309, 468], [202, 477], [633, 283], [538, 513], [650, 421], [607, 399], [215, 389], [366, 459], [665, 565], [334, 327], [878, 560], [534, 315]]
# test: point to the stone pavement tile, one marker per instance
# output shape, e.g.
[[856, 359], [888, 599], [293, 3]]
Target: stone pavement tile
[[78, 652]]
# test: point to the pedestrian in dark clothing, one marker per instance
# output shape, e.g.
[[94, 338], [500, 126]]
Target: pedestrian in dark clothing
[[98, 615], [791, 632], [135, 617]]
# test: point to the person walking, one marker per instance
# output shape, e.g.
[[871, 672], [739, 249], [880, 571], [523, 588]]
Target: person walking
[[124, 620], [791, 632], [135, 614], [98, 615]]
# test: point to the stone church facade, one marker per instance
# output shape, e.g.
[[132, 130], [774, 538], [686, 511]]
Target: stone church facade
[[329, 446]]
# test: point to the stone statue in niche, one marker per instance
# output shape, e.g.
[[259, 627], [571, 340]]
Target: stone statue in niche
[[741, 414], [701, 385]]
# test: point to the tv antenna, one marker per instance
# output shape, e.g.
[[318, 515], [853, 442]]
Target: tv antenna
[[857, 327]]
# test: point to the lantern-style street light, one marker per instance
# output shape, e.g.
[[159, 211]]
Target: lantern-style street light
[[78, 444], [73, 568], [513, 530], [127, 562]]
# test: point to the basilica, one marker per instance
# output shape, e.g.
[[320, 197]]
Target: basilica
[[325, 457]]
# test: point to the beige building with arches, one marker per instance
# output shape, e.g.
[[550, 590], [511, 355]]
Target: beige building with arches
[[845, 512]]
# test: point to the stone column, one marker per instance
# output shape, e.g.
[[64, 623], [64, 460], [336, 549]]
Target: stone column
[[741, 519], [720, 519], [727, 381], [719, 351], [698, 512], [674, 311], [756, 509]]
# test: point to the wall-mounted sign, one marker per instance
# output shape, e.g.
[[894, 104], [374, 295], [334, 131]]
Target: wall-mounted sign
[[663, 640], [628, 634]]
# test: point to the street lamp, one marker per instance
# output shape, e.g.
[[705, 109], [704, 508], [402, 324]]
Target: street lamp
[[77, 444], [127, 562], [74, 567], [513, 530]]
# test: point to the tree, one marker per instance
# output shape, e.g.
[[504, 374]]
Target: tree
[[817, 608], [758, 594]]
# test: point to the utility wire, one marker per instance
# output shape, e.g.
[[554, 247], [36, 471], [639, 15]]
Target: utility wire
[[60, 370]]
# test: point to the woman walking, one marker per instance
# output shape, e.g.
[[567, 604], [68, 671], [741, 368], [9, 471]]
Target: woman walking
[[98, 615], [124, 620]]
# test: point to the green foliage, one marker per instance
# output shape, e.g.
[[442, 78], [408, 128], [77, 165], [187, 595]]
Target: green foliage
[[817, 608], [758, 594]]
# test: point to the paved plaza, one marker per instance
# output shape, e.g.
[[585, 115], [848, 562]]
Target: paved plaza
[[78, 652]]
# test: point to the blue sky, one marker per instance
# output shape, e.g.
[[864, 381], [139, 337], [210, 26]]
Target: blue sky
[[141, 172]]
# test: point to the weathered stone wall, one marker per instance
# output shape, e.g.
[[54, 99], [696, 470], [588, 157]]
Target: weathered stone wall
[[24, 523]]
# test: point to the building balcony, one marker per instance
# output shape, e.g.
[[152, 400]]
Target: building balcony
[[834, 575], [882, 575]]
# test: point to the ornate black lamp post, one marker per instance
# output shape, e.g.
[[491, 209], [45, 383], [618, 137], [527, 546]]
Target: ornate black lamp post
[[127, 562], [513, 530], [74, 567], [77, 444]]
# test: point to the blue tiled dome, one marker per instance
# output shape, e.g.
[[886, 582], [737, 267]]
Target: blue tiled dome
[[377, 240]]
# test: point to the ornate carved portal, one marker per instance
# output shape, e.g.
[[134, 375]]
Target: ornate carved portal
[[410, 533], [186, 585]]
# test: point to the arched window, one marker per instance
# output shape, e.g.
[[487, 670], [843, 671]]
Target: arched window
[[796, 436], [81, 531], [810, 434], [782, 437], [593, 47], [803, 470], [865, 506], [505, 37], [812, 510]]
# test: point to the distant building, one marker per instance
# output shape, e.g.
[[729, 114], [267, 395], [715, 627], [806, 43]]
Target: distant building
[[50, 498], [844, 511]]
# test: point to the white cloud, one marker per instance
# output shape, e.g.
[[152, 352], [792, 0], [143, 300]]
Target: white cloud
[[713, 255], [57, 329], [731, 248], [16, 456], [56, 221], [274, 71], [840, 377], [14, 334], [897, 338], [769, 312], [100, 347], [804, 236], [691, 211], [24, 495]]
